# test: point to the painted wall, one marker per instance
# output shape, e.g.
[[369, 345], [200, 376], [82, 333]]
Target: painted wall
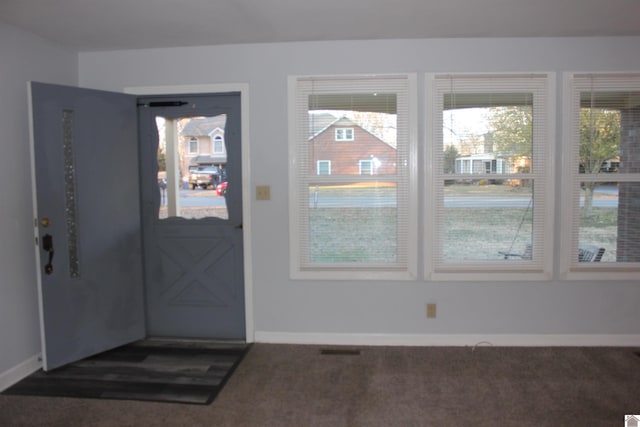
[[24, 57], [321, 310]]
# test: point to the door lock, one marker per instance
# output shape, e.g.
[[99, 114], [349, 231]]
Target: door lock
[[47, 246], [45, 222]]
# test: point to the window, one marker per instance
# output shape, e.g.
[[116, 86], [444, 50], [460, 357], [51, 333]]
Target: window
[[366, 167], [489, 197], [324, 167], [344, 134], [602, 176], [218, 145], [193, 146], [347, 224], [186, 183]]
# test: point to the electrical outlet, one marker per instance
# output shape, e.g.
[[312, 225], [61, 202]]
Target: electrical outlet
[[263, 192], [431, 311]]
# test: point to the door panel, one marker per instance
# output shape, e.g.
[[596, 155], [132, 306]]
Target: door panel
[[85, 160], [194, 277]]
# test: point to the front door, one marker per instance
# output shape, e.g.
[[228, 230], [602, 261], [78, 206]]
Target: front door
[[87, 221], [192, 235]]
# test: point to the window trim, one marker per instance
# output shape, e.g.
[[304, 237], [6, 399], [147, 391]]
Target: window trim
[[480, 271], [193, 139], [217, 139], [346, 131], [357, 272], [571, 115], [360, 170], [328, 163]]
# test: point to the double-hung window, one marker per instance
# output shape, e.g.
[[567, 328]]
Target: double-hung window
[[193, 146], [601, 228], [489, 201], [353, 209]]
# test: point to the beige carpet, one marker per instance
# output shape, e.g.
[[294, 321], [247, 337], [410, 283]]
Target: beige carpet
[[286, 385]]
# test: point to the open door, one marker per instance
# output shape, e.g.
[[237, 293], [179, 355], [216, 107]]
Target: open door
[[193, 248], [87, 221]]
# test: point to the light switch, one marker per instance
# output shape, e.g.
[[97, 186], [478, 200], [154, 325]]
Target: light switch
[[263, 192]]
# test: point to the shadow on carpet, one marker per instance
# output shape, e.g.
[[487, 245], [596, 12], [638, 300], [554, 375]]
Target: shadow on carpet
[[191, 372]]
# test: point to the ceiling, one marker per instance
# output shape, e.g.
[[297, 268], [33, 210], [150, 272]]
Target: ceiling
[[89, 25]]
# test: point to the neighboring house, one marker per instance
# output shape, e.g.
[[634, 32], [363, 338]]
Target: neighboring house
[[342, 147], [482, 163], [202, 142]]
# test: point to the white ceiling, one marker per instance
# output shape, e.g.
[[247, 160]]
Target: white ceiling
[[88, 25]]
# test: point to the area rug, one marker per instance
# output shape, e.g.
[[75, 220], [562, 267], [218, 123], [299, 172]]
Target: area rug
[[191, 372]]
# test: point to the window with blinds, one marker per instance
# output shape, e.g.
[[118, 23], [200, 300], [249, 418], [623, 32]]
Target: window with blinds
[[492, 176], [602, 170], [353, 171]]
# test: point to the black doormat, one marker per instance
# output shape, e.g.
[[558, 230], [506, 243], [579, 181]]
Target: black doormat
[[191, 372]]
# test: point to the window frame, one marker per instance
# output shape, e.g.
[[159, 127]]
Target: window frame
[[218, 139], [328, 163], [570, 269], [345, 131], [435, 270], [197, 144], [370, 169], [408, 271]]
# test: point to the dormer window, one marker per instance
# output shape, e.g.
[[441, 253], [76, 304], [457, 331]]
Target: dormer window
[[344, 134], [218, 145]]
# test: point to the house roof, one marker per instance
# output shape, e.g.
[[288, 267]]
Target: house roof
[[204, 126], [345, 121]]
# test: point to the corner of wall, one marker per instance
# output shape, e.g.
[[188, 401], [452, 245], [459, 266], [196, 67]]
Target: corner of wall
[[19, 371]]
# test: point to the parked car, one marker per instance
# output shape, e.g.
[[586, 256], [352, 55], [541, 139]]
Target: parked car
[[221, 189], [204, 177]]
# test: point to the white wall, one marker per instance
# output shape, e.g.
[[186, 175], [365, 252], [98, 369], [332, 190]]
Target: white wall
[[24, 57], [287, 310]]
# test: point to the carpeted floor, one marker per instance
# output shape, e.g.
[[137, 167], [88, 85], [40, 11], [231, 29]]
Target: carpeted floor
[[291, 385], [152, 370]]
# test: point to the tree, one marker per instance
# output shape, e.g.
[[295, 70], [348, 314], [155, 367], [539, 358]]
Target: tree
[[512, 128], [162, 159], [599, 142], [450, 155]]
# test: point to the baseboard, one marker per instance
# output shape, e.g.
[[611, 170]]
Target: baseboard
[[454, 340], [20, 371]]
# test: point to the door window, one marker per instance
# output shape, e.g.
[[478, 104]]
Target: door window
[[192, 184]]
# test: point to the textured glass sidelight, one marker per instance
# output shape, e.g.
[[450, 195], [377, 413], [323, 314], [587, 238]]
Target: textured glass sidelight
[[70, 192]]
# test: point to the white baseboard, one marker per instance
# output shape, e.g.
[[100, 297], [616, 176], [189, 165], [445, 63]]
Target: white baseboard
[[454, 340], [20, 371]]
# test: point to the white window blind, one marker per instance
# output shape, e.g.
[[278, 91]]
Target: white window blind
[[602, 231], [492, 198], [358, 221]]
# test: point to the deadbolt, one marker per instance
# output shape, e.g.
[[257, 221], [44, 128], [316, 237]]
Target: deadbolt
[[45, 222]]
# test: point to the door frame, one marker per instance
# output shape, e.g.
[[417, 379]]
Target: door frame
[[243, 88]]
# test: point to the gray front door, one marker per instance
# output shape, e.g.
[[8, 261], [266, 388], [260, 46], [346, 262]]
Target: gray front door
[[87, 221], [194, 267]]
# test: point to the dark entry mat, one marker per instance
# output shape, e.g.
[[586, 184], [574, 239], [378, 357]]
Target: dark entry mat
[[191, 372]]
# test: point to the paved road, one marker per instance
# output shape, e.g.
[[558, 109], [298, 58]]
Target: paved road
[[200, 198], [209, 198]]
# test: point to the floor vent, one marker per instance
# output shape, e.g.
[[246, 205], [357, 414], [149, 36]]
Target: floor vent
[[340, 352]]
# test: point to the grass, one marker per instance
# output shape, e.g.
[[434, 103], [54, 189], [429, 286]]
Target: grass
[[470, 234], [353, 235]]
